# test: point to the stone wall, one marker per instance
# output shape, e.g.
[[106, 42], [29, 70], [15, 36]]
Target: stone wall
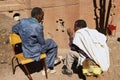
[[66, 10]]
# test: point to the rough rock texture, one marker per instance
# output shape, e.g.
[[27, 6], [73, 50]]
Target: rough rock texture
[[5, 30]]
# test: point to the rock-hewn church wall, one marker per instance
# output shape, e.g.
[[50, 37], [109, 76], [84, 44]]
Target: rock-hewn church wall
[[59, 15]]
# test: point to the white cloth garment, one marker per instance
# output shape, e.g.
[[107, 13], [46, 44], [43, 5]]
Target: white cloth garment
[[94, 45]]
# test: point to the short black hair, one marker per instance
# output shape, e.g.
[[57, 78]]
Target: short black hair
[[80, 23], [35, 11]]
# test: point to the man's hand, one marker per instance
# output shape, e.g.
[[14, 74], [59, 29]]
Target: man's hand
[[70, 32]]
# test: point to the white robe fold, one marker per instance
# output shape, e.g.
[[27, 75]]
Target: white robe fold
[[94, 45]]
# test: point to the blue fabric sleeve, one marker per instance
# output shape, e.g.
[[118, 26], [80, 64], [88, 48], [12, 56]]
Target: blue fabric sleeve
[[15, 28], [40, 37]]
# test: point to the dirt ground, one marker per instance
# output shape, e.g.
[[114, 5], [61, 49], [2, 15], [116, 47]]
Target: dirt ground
[[112, 74]]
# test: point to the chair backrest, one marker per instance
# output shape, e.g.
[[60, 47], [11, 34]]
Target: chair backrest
[[14, 39]]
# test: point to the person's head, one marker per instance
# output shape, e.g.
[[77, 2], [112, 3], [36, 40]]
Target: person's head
[[79, 24], [37, 13]]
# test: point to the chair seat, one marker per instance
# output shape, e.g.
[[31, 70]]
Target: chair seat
[[24, 60]]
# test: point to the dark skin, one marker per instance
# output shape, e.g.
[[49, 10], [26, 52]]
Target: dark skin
[[76, 27], [40, 17], [71, 36], [70, 31]]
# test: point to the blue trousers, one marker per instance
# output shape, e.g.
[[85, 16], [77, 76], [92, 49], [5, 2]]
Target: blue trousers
[[51, 52]]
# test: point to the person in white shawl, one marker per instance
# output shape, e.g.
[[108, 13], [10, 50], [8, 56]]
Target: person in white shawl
[[91, 43]]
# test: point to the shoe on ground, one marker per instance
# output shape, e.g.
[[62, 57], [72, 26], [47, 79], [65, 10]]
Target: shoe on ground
[[52, 71], [58, 59], [48, 71], [67, 72]]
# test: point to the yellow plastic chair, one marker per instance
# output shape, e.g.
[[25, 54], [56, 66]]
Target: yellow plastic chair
[[15, 41]]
